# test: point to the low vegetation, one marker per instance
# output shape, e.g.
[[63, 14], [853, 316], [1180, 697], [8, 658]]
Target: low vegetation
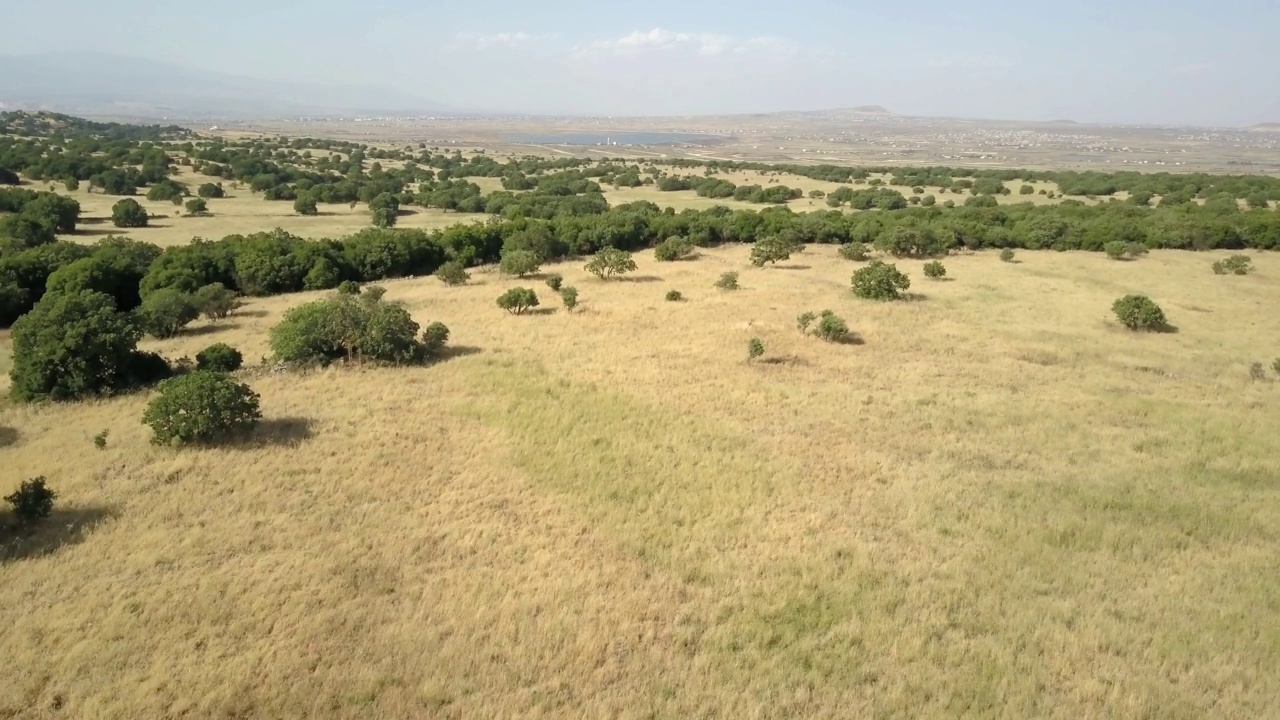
[[518, 300], [201, 407], [880, 281], [1234, 265], [1139, 312]]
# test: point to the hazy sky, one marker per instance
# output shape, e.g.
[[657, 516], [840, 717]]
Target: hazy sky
[[1170, 61]]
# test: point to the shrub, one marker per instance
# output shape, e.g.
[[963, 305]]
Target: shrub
[[197, 206], [219, 357], [831, 327], [209, 190], [434, 337], [349, 287], [32, 501], [1026, 190], [855, 251], [672, 249], [1114, 250], [728, 281], [879, 281], [773, 249], [306, 205], [202, 407], [1257, 372], [128, 214], [100, 440], [554, 281], [755, 349], [610, 261], [1234, 265], [1139, 312], [519, 263], [804, 320], [1006, 255], [935, 270], [384, 210], [1135, 250], [517, 300], [347, 326], [215, 301], [166, 311], [569, 296], [928, 201], [674, 296], [453, 273], [949, 204], [913, 241]]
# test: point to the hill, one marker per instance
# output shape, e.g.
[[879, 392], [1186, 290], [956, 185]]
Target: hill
[[1266, 127], [112, 85]]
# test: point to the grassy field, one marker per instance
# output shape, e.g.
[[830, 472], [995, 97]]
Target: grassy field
[[998, 504]]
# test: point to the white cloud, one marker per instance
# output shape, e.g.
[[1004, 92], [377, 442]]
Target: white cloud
[[709, 44], [485, 41]]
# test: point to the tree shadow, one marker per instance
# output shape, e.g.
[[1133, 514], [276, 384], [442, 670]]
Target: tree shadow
[[276, 432], [8, 436], [793, 267], [539, 311], [912, 297], [783, 360], [62, 528], [851, 339], [448, 352], [85, 232], [250, 313], [639, 278], [209, 329]]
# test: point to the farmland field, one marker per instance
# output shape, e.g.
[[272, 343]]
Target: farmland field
[[996, 503]]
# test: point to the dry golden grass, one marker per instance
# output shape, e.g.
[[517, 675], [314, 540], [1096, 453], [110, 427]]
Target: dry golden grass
[[999, 505]]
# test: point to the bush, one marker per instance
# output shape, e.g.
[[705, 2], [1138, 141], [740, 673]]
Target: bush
[[804, 320], [674, 296], [519, 262], [220, 357], [166, 311], [831, 327], [197, 206], [1135, 250], [855, 251], [360, 327], [879, 281], [384, 210], [610, 261], [1114, 250], [32, 501], [935, 270], [928, 201], [673, 249], [434, 337], [569, 296], [1006, 255], [202, 407], [755, 349], [211, 191], [453, 273], [1257, 372], [72, 345], [128, 214], [306, 205], [215, 301], [1234, 265], [517, 300], [773, 249], [1139, 312], [728, 281], [349, 287]]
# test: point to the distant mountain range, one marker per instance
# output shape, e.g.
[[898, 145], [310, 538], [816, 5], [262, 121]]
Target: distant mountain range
[[100, 84]]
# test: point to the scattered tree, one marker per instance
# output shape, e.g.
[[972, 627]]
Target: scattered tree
[[831, 327], [166, 311], [569, 296], [127, 213], [1139, 312], [32, 501], [215, 301], [935, 270], [306, 205], [879, 281], [674, 296], [517, 300], [197, 206], [1234, 265], [219, 357], [519, 263], [554, 281], [755, 349], [672, 249], [728, 281], [453, 273], [210, 191], [1006, 255], [856, 251], [773, 249], [434, 337], [201, 407], [343, 326], [610, 261], [384, 209]]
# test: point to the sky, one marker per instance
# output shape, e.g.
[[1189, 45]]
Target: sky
[[1136, 61]]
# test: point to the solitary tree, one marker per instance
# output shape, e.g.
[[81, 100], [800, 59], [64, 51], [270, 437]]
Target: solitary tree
[[773, 249], [128, 214], [453, 273], [1139, 312], [306, 205], [384, 210], [197, 206], [517, 300], [610, 261], [202, 407], [879, 281], [519, 263]]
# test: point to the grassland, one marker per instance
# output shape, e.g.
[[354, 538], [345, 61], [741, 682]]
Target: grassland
[[999, 504]]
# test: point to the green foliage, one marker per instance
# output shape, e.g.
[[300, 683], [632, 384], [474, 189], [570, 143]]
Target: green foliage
[[100, 440], [935, 270], [831, 327], [1276, 366], [453, 273], [215, 301], [210, 191], [1026, 190], [804, 320], [166, 190], [569, 296], [306, 205], [673, 249], [928, 201], [879, 281], [674, 296], [349, 287], [1135, 250], [517, 300], [164, 312], [755, 349], [346, 326], [728, 281], [519, 263], [434, 337], [127, 213], [855, 251], [610, 261], [384, 210], [197, 206], [73, 345], [774, 249], [201, 407], [1006, 255], [1114, 249], [1139, 312], [219, 357], [554, 281], [32, 501], [1234, 265], [913, 241]]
